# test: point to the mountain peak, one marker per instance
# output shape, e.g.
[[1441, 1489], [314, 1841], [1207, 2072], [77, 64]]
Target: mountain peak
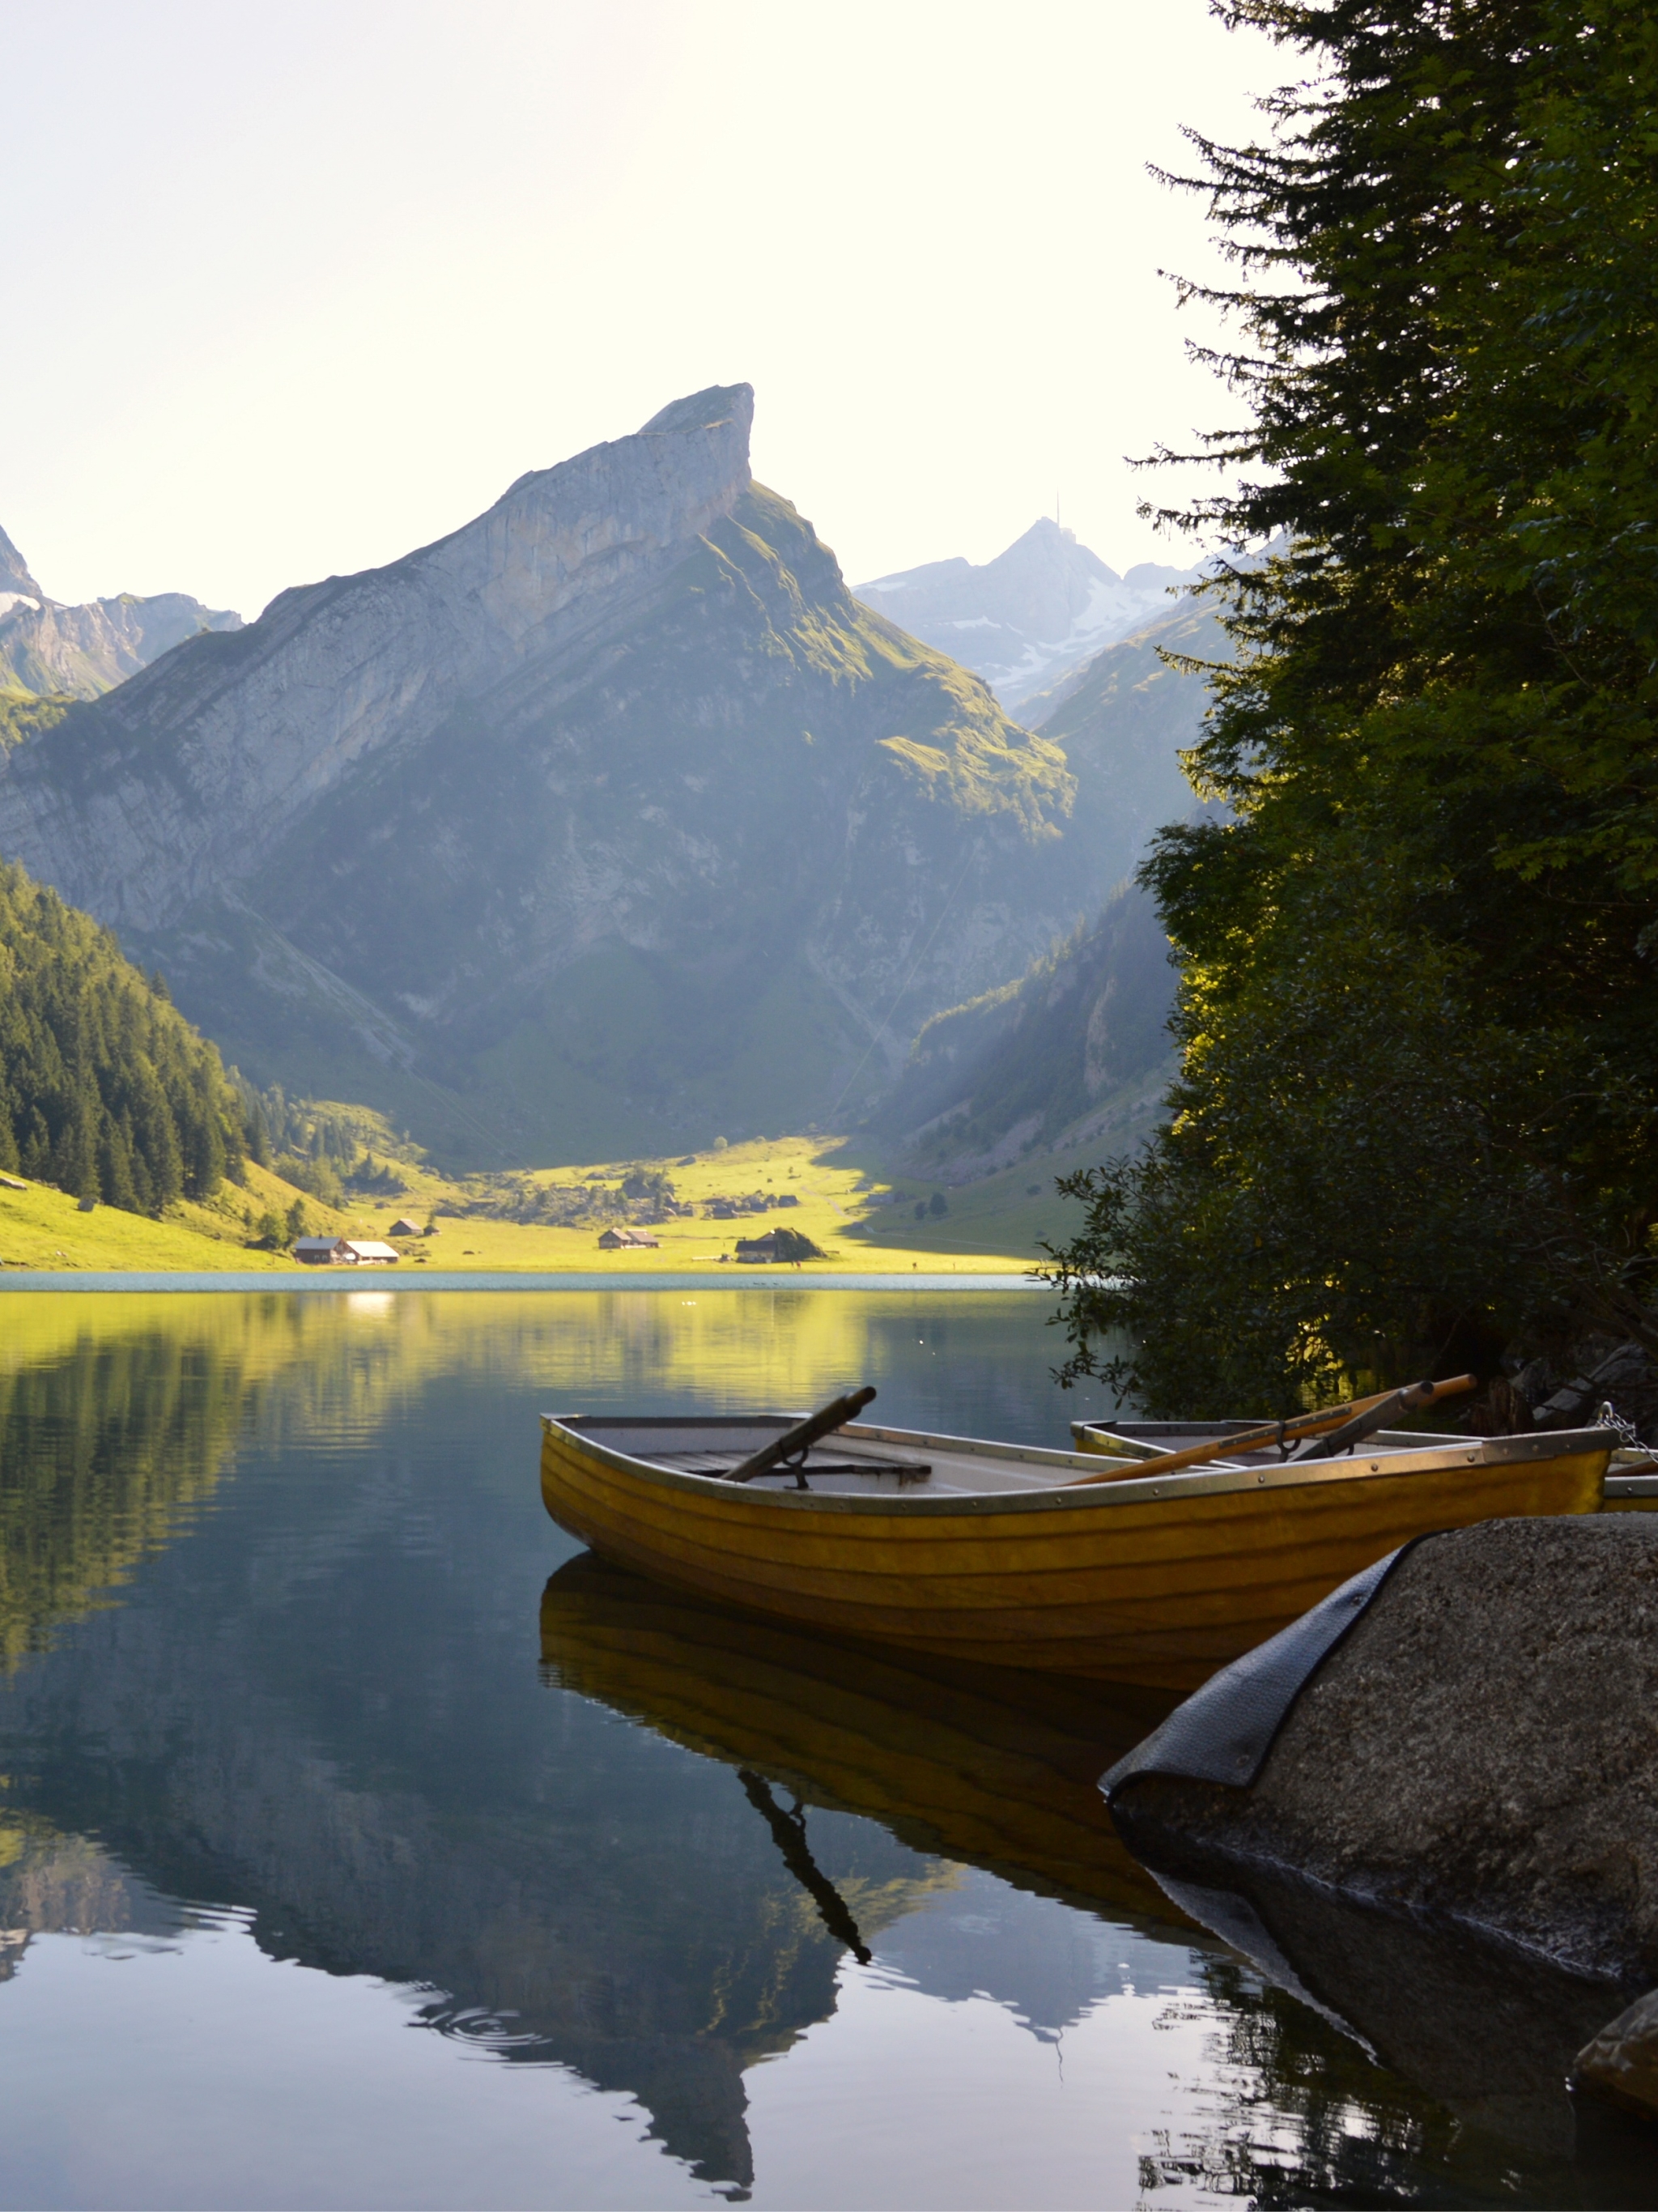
[[549, 824], [84, 650], [1045, 603], [706, 410], [1048, 551], [15, 576]]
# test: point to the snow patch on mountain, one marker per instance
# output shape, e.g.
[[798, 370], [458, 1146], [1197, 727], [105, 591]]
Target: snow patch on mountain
[[1037, 611]]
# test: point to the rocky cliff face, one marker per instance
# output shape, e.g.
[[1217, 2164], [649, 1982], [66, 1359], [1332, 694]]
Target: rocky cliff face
[[80, 652], [15, 577], [611, 821], [56, 650], [1078, 1051]]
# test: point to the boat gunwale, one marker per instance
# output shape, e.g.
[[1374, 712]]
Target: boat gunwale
[[1484, 1452]]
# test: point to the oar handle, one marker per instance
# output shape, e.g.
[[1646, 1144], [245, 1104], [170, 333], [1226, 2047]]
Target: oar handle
[[1368, 1419], [803, 1435], [1383, 1403]]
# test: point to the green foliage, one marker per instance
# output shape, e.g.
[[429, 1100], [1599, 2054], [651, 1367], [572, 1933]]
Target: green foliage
[[1415, 1120], [23, 714], [321, 1145], [650, 1186], [793, 1244], [318, 1176], [105, 1088]]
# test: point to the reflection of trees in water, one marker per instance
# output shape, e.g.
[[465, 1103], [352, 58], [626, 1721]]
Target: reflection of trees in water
[[326, 1710], [1471, 2110], [118, 1412], [119, 1415], [1297, 2113], [100, 1453]]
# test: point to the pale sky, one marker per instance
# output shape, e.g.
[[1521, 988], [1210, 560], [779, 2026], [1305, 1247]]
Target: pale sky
[[293, 289]]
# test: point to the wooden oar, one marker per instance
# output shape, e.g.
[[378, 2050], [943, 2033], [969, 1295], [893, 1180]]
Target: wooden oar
[[803, 1436], [1355, 1417]]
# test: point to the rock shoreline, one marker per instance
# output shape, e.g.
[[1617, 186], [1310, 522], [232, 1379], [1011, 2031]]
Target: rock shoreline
[[1481, 1749]]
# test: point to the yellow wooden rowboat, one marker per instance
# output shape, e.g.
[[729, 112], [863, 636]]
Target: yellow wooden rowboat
[[1631, 1483], [981, 1550]]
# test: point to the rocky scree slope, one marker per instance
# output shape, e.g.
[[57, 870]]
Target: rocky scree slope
[[611, 820]]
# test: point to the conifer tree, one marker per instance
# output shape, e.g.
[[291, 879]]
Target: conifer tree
[[1416, 1123], [104, 1088]]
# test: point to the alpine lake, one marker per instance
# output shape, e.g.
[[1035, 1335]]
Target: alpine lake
[[363, 1842]]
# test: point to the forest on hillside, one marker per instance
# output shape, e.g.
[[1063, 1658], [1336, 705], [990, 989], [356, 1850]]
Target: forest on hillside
[[105, 1089], [1414, 1125]]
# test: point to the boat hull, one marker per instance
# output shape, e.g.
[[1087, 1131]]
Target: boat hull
[[1156, 1584]]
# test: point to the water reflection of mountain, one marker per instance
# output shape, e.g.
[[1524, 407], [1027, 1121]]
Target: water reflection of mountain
[[319, 1703], [324, 1708]]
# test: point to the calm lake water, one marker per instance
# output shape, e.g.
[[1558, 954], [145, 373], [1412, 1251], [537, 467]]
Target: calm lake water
[[363, 1843]]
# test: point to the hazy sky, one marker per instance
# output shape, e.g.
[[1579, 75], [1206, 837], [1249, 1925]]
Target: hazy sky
[[291, 288]]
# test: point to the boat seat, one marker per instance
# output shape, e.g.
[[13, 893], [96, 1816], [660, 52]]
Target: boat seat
[[816, 1461]]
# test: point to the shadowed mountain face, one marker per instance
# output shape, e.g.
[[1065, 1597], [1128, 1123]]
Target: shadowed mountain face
[[1078, 1051], [1032, 615], [611, 821]]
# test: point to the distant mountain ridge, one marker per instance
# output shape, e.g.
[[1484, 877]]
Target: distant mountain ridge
[[610, 822], [1037, 611], [1076, 1052], [51, 650]]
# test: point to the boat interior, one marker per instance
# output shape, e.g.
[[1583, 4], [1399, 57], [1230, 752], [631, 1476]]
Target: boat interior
[[869, 1460], [859, 1457], [1132, 1440]]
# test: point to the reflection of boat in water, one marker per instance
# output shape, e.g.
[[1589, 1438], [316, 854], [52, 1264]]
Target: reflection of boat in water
[[997, 1552], [979, 1764]]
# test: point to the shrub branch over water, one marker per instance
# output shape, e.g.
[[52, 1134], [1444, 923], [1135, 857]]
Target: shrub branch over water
[[1414, 1122]]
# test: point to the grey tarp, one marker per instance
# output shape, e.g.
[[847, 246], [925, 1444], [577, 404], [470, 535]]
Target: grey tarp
[[1224, 1731]]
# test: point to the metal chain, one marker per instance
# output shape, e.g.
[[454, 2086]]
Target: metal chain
[[1610, 1417]]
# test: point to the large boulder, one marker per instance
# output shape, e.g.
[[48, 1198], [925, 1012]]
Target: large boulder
[[1480, 1747]]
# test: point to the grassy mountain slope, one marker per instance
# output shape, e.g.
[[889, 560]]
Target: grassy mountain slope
[[42, 1227]]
